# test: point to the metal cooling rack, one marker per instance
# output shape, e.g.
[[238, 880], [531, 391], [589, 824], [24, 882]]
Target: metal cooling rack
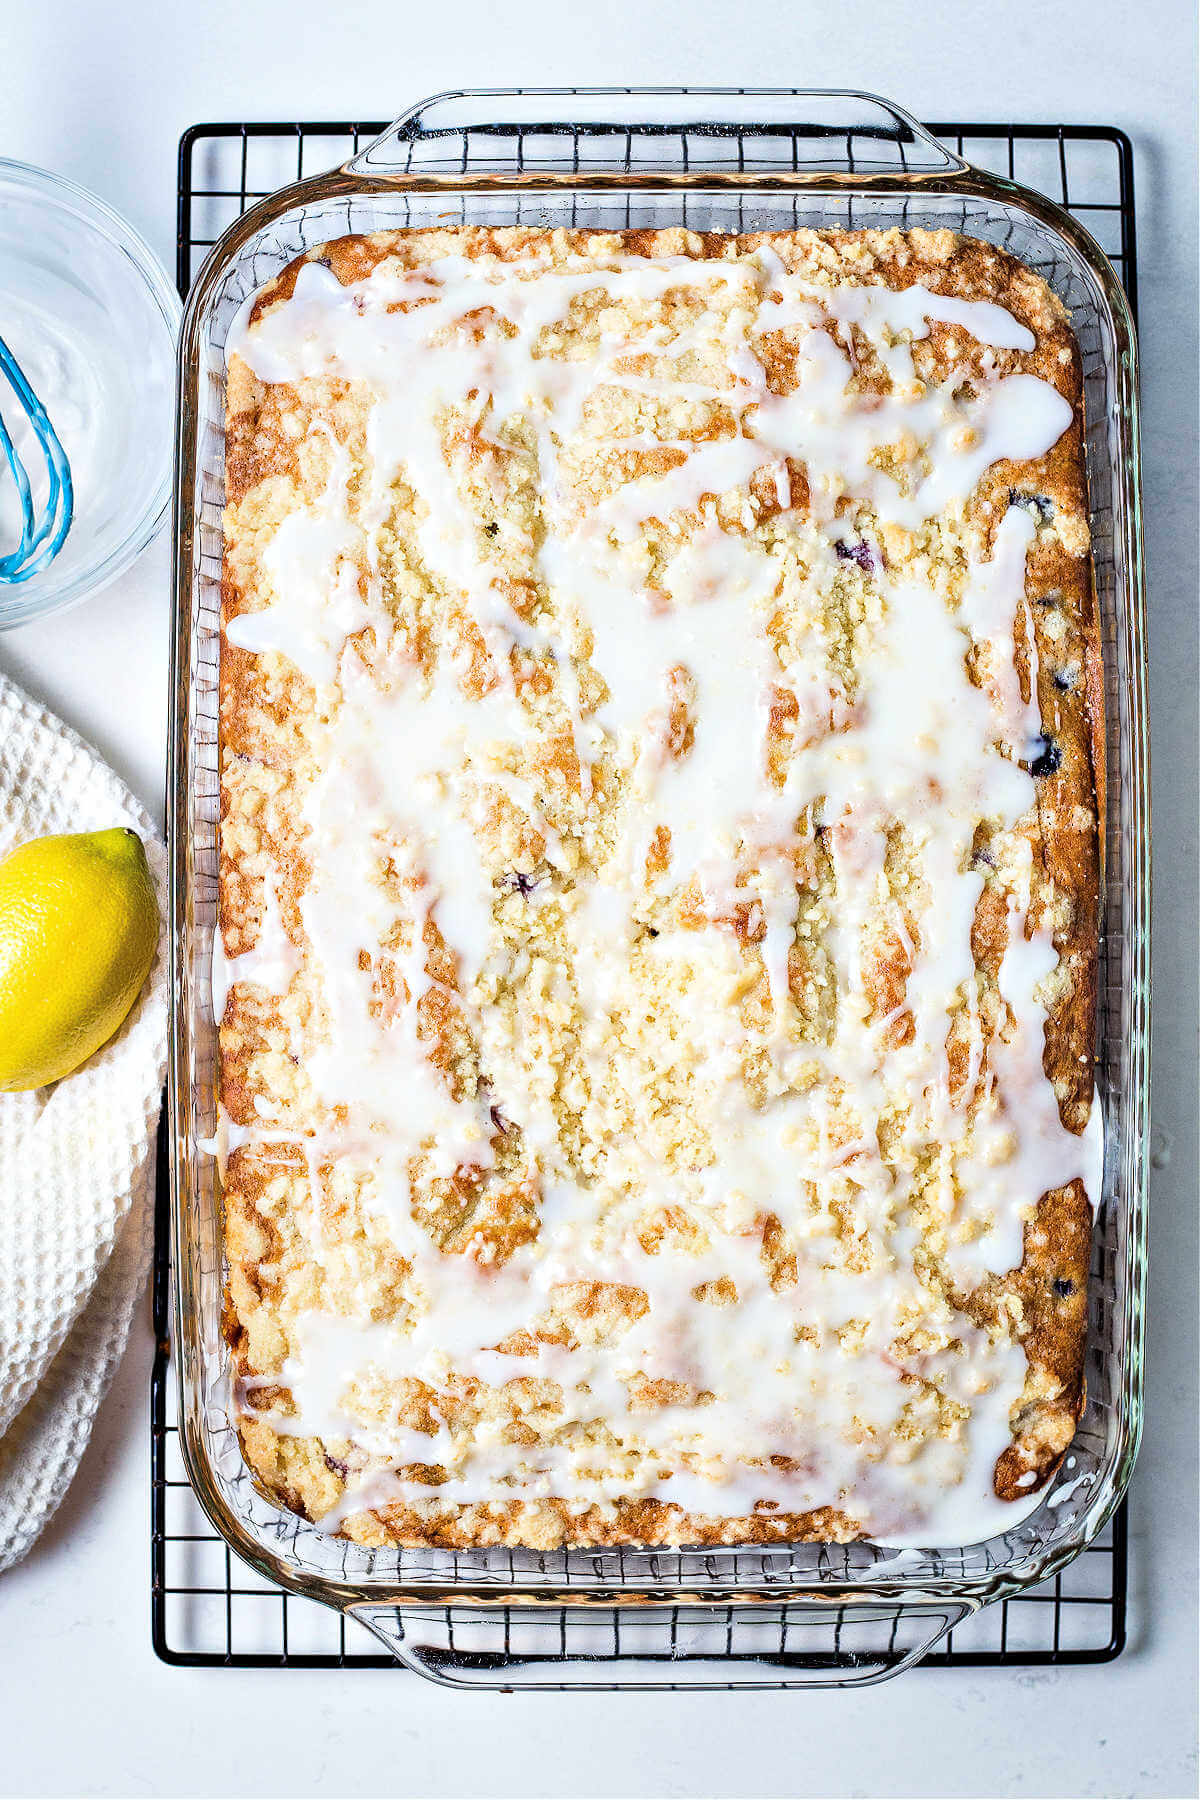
[[209, 1609]]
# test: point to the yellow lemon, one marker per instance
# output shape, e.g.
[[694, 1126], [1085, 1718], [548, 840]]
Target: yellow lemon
[[78, 931]]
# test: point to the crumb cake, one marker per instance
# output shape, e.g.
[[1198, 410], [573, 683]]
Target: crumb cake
[[660, 796]]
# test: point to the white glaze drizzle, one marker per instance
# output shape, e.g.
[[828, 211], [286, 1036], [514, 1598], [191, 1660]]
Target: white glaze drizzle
[[404, 772], [270, 963]]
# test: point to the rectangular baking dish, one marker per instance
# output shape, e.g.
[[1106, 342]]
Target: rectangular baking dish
[[711, 161]]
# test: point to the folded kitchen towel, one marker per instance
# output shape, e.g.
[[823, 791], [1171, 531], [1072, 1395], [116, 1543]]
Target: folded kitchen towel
[[76, 1162]]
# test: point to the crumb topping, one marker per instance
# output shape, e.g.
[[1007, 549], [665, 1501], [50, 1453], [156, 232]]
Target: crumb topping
[[648, 998]]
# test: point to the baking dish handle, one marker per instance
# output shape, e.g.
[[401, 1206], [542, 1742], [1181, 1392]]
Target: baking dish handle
[[544, 130], [663, 1646]]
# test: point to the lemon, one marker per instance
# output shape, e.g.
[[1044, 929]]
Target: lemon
[[78, 931]]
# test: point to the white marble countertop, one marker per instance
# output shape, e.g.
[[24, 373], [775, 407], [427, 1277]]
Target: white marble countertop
[[101, 94]]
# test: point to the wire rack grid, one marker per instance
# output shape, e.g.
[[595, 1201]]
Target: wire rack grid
[[208, 1609]]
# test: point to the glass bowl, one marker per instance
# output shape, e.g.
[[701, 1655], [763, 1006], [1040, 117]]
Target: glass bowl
[[92, 318]]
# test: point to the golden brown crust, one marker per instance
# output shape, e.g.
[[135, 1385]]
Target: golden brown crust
[[1048, 1289], [1050, 1286]]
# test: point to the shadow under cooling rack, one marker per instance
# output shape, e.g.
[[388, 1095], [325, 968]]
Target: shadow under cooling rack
[[208, 1608]]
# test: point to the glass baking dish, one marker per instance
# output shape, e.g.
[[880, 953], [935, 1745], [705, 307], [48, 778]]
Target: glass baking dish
[[803, 1614]]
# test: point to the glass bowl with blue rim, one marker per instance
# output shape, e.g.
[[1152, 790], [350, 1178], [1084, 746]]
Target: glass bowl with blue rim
[[91, 319]]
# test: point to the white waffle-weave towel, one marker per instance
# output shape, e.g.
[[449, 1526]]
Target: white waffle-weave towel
[[76, 1162]]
